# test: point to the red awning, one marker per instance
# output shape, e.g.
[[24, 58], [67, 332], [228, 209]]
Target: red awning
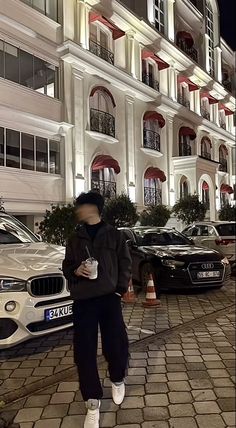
[[153, 115], [187, 37], [105, 161], [155, 173], [224, 148], [105, 90], [160, 62], [205, 186], [211, 99], [191, 85], [228, 112], [225, 188], [185, 130], [116, 32], [208, 141]]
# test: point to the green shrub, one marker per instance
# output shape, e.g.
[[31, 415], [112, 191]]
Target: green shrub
[[120, 211], [157, 215], [189, 209]]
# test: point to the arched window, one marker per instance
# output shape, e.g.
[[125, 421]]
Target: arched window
[[186, 136], [152, 124], [210, 33], [223, 155], [206, 194], [159, 11], [184, 189], [102, 107], [153, 180], [103, 177], [206, 148], [150, 73]]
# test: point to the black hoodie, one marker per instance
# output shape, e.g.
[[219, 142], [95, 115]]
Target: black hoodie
[[109, 248]]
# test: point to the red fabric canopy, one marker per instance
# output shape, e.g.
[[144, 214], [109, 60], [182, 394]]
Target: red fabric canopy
[[160, 62], [228, 112], [211, 99], [153, 115], [225, 188], [116, 32], [153, 173], [208, 140], [105, 90], [187, 37], [224, 148], [191, 85], [105, 161], [185, 130], [205, 186]]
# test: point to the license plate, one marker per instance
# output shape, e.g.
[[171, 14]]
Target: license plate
[[59, 312], [208, 274]]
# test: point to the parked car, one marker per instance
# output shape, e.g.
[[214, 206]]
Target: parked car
[[218, 235], [174, 260], [34, 299]]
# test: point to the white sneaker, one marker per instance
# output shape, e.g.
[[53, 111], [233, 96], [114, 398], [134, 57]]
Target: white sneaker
[[118, 393], [93, 414]]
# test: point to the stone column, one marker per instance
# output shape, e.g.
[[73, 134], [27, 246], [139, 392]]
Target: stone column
[[79, 108], [171, 19], [82, 23], [197, 102], [218, 64], [207, 52], [172, 82], [171, 192], [131, 54], [68, 20], [130, 144]]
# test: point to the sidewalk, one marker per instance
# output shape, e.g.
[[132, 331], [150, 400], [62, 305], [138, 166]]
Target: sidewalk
[[182, 378]]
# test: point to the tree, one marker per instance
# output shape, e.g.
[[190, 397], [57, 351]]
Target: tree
[[227, 213], [58, 224], [120, 211], [189, 209], [157, 215]]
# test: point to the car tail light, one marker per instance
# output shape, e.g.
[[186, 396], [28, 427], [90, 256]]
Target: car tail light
[[225, 241]]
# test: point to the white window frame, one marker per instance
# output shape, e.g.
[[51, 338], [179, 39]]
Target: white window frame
[[101, 27], [157, 23], [210, 33]]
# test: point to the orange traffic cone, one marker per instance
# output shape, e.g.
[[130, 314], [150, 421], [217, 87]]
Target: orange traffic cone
[[151, 298], [130, 297]]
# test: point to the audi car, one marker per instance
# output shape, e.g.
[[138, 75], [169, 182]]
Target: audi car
[[174, 261], [34, 299]]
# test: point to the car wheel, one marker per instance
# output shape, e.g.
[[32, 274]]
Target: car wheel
[[145, 271]]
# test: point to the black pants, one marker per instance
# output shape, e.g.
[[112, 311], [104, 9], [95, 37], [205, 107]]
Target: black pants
[[88, 315]]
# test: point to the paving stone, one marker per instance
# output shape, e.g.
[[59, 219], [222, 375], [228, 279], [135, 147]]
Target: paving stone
[[11, 365], [180, 410], [182, 422], [155, 424], [180, 397], [200, 383], [221, 382], [135, 380], [225, 392], [52, 423], [203, 395], [177, 376], [133, 403], [26, 425], [129, 426], [68, 387], [156, 378], [218, 373], [62, 397], [22, 373], [155, 413], [37, 400], [226, 404], [28, 415], [108, 420], [156, 400], [210, 421], [55, 411], [72, 421], [181, 385], [229, 418], [129, 416], [206, 408], [133, 390], [154, 388]]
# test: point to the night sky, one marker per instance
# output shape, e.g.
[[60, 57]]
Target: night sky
[[228, 21]]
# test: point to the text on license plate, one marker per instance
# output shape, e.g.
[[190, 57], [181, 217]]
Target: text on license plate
[[209, 274], [59, 312]]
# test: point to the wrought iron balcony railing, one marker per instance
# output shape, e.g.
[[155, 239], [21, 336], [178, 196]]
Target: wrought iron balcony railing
[[185, 150], [192, 52], [100, 51], [106, 188], [206, 155], [151, 140], [205, 113], [152, 196], [150, 81], [183, 101], [223, 165], [102, 122]]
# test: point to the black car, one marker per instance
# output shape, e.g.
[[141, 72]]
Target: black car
[[174, 260]]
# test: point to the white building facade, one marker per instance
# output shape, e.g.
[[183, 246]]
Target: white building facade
[[116, 97]]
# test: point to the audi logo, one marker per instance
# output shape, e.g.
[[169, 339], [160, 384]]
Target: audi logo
[[208, 266]]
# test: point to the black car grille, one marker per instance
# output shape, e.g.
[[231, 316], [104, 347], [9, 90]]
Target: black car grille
[[195, 268], [46, 286], [45, 325]]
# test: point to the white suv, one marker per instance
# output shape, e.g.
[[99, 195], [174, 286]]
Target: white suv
[[218, 235], [34, 299]]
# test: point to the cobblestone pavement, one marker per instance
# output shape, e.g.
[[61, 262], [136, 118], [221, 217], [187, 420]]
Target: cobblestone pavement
[[51, 356], [183, 377]]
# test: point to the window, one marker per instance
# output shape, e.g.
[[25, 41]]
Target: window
[[27, 152], [21, 67], [1, 146], [160, 15], [150, 74], [210, 33], [104, 181], [102, 107], [184, 188], [41, 154], [12, 149], [206, 148], [152, 192], [185, 148], [206, 195], [54, 157], [46, 7], [101, 42]]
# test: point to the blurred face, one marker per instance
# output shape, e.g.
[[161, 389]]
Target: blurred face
[[86, 212]]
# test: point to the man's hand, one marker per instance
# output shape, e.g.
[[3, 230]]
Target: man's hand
[[82, 270]]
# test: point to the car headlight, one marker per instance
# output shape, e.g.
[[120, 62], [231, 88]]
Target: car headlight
[[225, 261], [173, 264], [11, 284]]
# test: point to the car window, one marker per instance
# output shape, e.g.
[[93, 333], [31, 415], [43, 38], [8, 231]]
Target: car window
[[195, 231], [203, 230], [12, 232], [212, 231], [228, 229], [188, 231], [164, 237]]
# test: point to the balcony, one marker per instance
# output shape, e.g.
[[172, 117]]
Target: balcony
[[206, 155], [152, 196], [227, 85], [101, 52], [151, 140], [182, 100], [106, 188], [191, 52], [150, 81], [102, 122], [223, 165], [185, 151], [222, 124], [205, 113]]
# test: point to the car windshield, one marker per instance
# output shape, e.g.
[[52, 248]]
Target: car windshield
[[161, 237], [228, 229], [14, 232]]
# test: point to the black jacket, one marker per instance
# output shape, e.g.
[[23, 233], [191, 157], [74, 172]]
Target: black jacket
[[109, 248]]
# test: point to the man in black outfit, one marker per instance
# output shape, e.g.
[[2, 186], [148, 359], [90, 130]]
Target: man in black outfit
[[97, 302]]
